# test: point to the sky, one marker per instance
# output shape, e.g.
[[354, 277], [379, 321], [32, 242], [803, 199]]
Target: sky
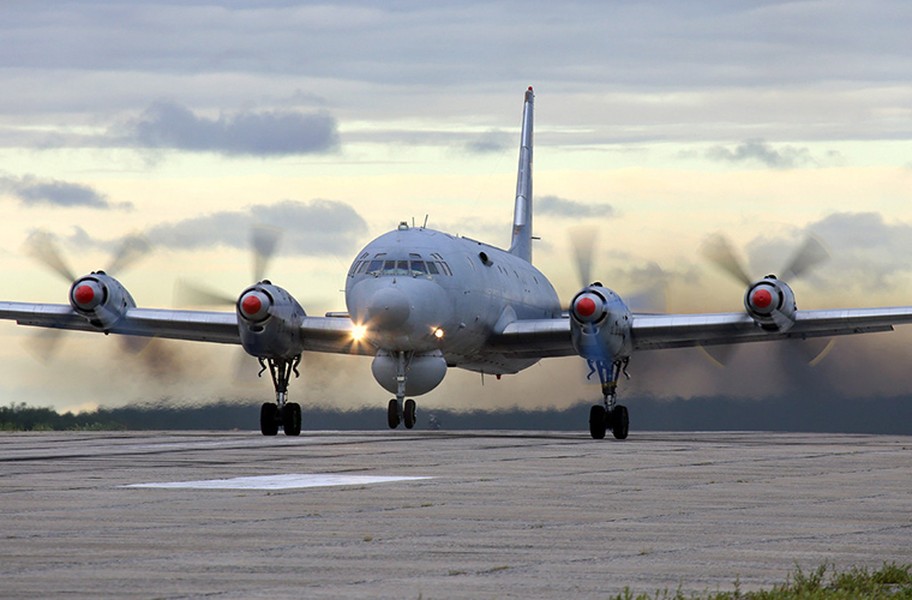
[[658, 124]]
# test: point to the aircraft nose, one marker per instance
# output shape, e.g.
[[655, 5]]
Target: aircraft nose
[[388, 308]]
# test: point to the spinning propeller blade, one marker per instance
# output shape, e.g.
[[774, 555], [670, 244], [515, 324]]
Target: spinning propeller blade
[[809, 255], [719, 251], [41, 246], [132, 249], [582, 239], [264, 240]]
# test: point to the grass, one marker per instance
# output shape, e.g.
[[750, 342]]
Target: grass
[[890, 582]]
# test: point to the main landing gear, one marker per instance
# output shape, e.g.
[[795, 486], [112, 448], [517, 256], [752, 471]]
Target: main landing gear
[[281, 413], [399, 409], [609, 414]]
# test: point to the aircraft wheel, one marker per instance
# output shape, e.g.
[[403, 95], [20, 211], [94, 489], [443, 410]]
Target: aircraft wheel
[[409, 413], [269, 418], [620, 422], [291, 418], [392, 414], [598, 422]]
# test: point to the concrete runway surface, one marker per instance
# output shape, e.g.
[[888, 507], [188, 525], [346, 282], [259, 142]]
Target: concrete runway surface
[[488, 515]]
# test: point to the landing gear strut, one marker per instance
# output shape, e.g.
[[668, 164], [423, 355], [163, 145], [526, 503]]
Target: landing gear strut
[[609, 414], [282, 413], [400, 409]]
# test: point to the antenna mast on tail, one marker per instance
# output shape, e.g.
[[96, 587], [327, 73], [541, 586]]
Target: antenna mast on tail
[[521, 244]]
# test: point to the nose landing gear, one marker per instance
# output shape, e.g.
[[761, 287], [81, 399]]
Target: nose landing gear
[[399, 409]]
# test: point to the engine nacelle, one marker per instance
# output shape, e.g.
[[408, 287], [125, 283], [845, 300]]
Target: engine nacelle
[[600, 324], [770, 302], [424, 372], [269, 321], [100, 299]]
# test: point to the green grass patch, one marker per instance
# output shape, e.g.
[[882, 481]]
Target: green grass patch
[[890, 582]]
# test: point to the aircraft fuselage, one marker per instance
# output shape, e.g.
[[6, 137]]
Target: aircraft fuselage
[[424, 290]]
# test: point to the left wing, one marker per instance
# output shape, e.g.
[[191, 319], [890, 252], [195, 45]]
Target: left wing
[[551, 337]]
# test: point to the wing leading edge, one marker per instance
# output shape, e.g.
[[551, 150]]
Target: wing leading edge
[[545, 338], [318, 334]]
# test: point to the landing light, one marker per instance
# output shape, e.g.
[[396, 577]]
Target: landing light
[[358, 332], [439, 333]]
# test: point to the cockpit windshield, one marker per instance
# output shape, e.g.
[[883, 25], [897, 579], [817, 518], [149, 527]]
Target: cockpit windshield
[[382, 266]]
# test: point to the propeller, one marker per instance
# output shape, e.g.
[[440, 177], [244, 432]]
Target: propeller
[[583, 241], [718, 249], [42, 246], [720, 252], [264, 240]]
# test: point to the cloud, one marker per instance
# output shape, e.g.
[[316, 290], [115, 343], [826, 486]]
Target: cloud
[[34, 191], [318, 227], [561, 207], [266, 133], [786, 157], [490, 142], [867, 254]]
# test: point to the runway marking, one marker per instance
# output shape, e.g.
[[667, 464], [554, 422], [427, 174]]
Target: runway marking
[[276, 482]]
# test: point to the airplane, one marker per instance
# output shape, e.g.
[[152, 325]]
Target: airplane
[[422, 301]]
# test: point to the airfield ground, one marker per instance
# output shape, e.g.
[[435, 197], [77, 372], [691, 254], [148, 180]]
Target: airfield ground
[[494, 515]]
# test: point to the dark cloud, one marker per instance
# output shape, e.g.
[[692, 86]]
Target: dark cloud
[[490, 142], [759, 151], [318, 227], [267, 133], [34, 191], [561, 207]]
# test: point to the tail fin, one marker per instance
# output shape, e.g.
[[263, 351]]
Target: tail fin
[[521, 245]]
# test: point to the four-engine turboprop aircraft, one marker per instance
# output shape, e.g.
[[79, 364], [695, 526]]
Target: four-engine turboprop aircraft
[[421, 301]]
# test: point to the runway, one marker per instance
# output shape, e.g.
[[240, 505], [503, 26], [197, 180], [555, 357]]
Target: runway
[[441, 514]]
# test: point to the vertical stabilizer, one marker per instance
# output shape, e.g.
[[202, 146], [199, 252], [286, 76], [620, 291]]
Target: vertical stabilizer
[[521, 245]]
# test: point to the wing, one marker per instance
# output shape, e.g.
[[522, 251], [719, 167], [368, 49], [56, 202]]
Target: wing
[[319, 334], [650, 332], [544, 338]]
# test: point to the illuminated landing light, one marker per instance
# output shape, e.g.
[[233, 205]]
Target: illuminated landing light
[[439, 333], [358, 332]]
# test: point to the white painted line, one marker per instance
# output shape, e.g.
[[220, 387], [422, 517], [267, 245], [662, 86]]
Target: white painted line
[[275, 482]]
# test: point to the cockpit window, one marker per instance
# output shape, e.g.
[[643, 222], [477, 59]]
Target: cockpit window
[[414, 267], [418, 268], [374, 267]]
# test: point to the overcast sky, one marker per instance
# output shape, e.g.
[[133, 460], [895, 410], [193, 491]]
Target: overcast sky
[[658, 123]]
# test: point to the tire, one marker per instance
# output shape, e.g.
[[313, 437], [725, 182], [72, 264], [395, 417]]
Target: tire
[[620, 422], [598, 422], [392, 414], [269, 419], [291, 418], [408, 415]]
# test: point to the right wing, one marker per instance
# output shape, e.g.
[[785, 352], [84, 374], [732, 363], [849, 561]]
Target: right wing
[[318, 334]]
